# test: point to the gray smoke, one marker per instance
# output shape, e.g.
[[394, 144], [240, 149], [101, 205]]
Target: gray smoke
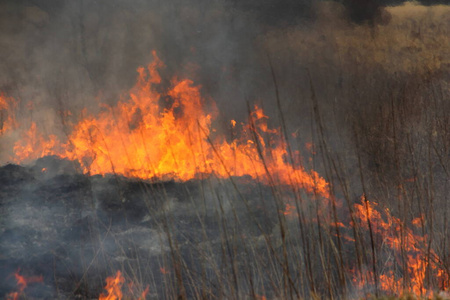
[[366, 83]]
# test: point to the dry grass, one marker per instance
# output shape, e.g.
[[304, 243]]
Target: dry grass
[[376, 101]]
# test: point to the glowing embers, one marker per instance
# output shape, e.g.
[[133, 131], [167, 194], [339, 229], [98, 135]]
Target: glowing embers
[[114, 289]]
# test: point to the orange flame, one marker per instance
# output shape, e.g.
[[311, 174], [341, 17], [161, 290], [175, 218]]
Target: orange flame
[[114, 289], [155, 135], [22, 283], [418, 263], [7, 113], [34, 144], [141, 137]]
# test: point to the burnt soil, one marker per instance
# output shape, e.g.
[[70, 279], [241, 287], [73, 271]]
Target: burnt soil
[[75, 230]]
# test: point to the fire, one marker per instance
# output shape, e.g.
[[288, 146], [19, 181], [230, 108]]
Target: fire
[[167, 135], [22, 283], [7, 113], [289, 210], [34, 144], [114, 289], [158, 135], [419, 265]]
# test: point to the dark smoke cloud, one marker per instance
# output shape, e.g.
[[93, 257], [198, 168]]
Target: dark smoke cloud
[[373, 11]]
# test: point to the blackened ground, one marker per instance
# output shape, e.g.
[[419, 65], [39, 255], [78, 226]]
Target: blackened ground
[[75, 230]]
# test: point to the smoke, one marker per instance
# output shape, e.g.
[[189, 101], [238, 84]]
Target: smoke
[[64, 56], [341, 66], [60, 57]]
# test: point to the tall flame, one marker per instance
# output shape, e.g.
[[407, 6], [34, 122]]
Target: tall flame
[[169, 135], [141, 137]]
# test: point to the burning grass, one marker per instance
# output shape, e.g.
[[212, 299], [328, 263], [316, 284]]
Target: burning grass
[[359, 211]]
